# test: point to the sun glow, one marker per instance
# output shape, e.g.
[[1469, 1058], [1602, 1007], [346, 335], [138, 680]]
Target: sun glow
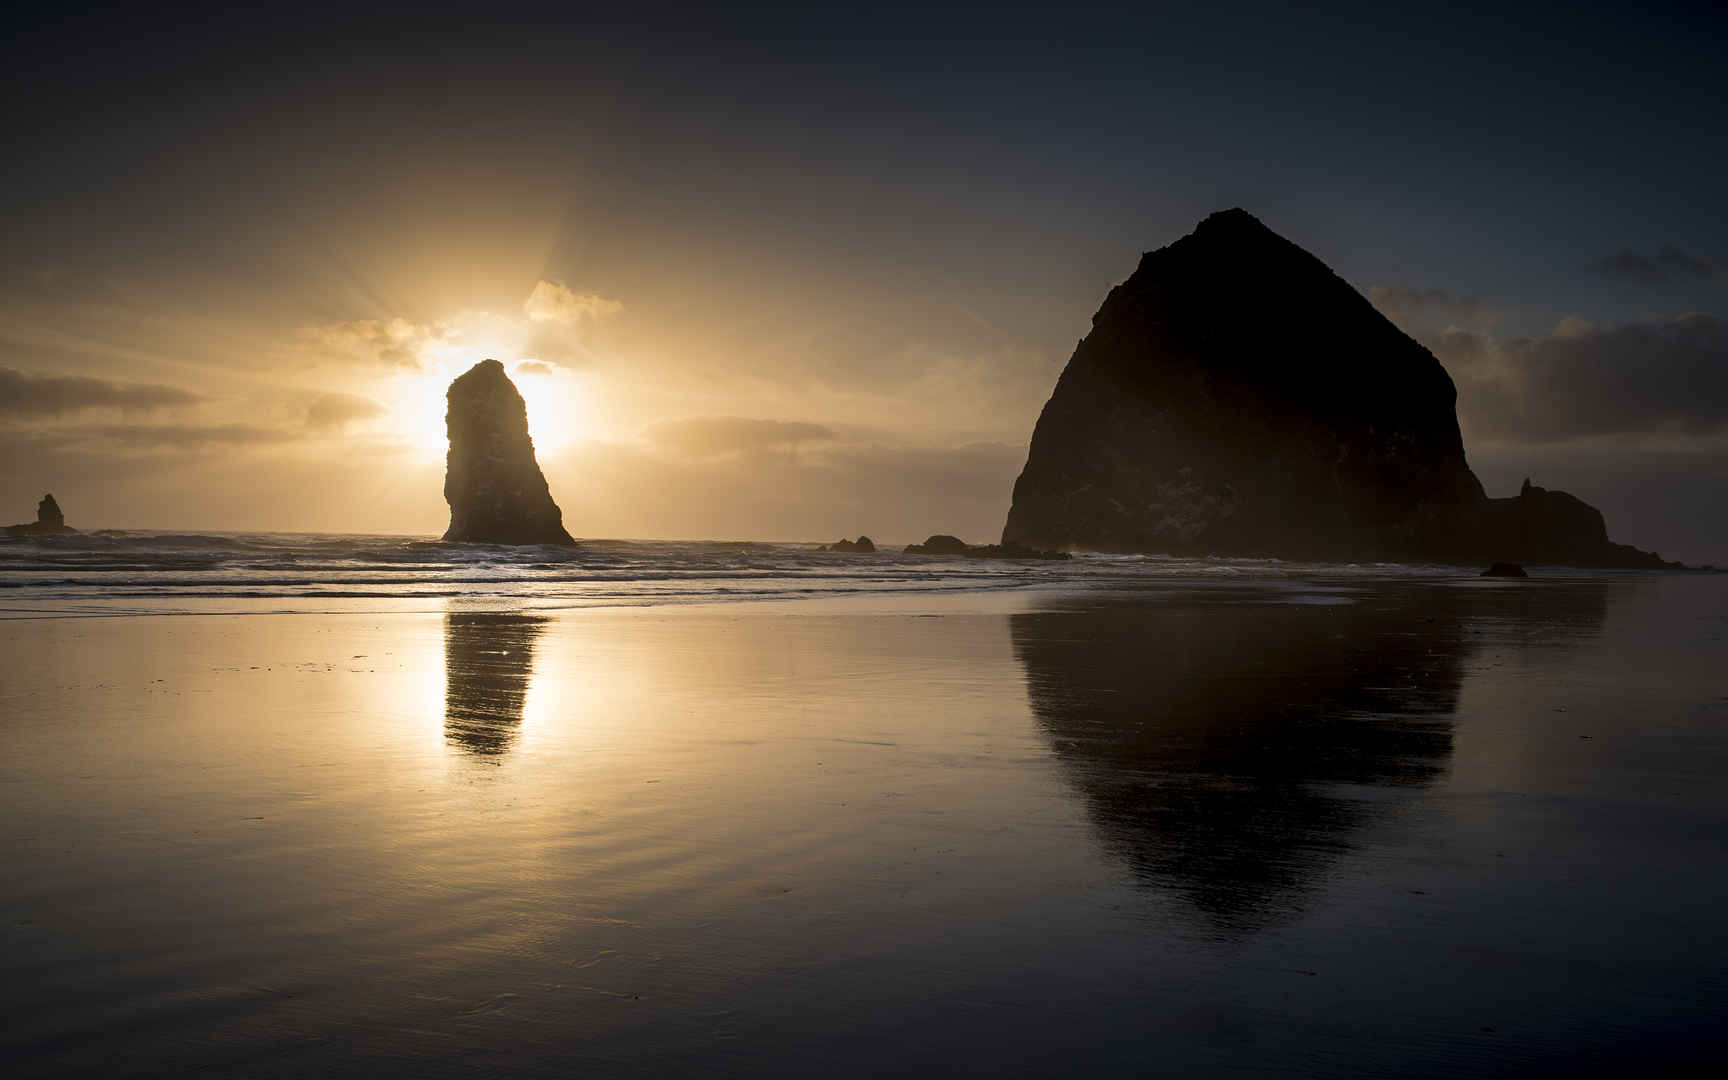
[[557, 408]]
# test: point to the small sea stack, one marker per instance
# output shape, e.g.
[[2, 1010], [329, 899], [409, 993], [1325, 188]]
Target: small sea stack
[[861, 546], [49, 521], [939, 544], [1505, 569], [493, 483], [944, 544]]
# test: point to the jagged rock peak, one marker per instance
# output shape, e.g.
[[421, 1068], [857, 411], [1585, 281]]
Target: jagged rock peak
[[493, 483]]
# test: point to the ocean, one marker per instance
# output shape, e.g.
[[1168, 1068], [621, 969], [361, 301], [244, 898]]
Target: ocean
[[165, 572]]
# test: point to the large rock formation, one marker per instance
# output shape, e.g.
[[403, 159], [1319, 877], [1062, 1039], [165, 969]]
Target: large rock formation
[[49, 521], [1236, 397], [496, 492]]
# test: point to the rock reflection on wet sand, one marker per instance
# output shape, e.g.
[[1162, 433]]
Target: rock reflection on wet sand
[[488, 663], [1230, 752]]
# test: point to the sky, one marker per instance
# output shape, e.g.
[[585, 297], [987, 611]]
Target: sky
[[786, 272]]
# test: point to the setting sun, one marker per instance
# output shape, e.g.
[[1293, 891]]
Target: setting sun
[[557, 411]]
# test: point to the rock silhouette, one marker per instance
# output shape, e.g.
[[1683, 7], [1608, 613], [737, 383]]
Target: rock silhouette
[[1542, 526], [49, 521], [1505, 569], [1236, 397], [939, 544], [861, 546], [943, 544], [495, 489]]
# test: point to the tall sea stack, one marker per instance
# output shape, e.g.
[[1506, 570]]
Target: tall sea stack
[[1236, 397], [495, 489]]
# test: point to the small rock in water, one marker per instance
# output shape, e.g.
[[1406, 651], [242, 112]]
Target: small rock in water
[[1505, 569], [49, 521], [862, 546], [940, 544], [943, 544]]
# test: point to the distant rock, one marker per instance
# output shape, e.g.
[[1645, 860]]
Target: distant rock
[[940, 544], [1505, 569], [1236, 397], [49, 521], [495, 489], [943, 544], [1542, 526], [1012, 551], [861, 546]]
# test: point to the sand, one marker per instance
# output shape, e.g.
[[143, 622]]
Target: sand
[[1424, 828]]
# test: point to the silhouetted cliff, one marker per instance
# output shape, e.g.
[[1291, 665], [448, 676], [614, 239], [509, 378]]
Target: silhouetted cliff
[[1237, 397], [494, 486]]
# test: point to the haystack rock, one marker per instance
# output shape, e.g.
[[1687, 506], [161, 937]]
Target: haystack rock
[[495, 489], [1236, 397], [49, 521]]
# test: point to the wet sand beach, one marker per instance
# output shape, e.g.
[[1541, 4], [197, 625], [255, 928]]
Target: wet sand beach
[[1321, 826]]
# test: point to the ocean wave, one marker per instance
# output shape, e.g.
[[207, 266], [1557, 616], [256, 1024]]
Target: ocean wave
[[112, 565]]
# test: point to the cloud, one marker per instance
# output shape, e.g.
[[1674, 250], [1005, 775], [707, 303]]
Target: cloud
[[559, 321], [1664, 379], [555, 343], [534, 367], [1396, 303], [26, 395], [186, 436], [336, 411], [377, 342], [708, 436], [552, 301], [1661, 269]]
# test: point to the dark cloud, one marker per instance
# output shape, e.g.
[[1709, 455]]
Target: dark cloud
[[27, 395], [1457, 348], [1396, 303], [1644, 379], [708, 436], [74, 285], [186, 436], [1661, 269], [336, 411]]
